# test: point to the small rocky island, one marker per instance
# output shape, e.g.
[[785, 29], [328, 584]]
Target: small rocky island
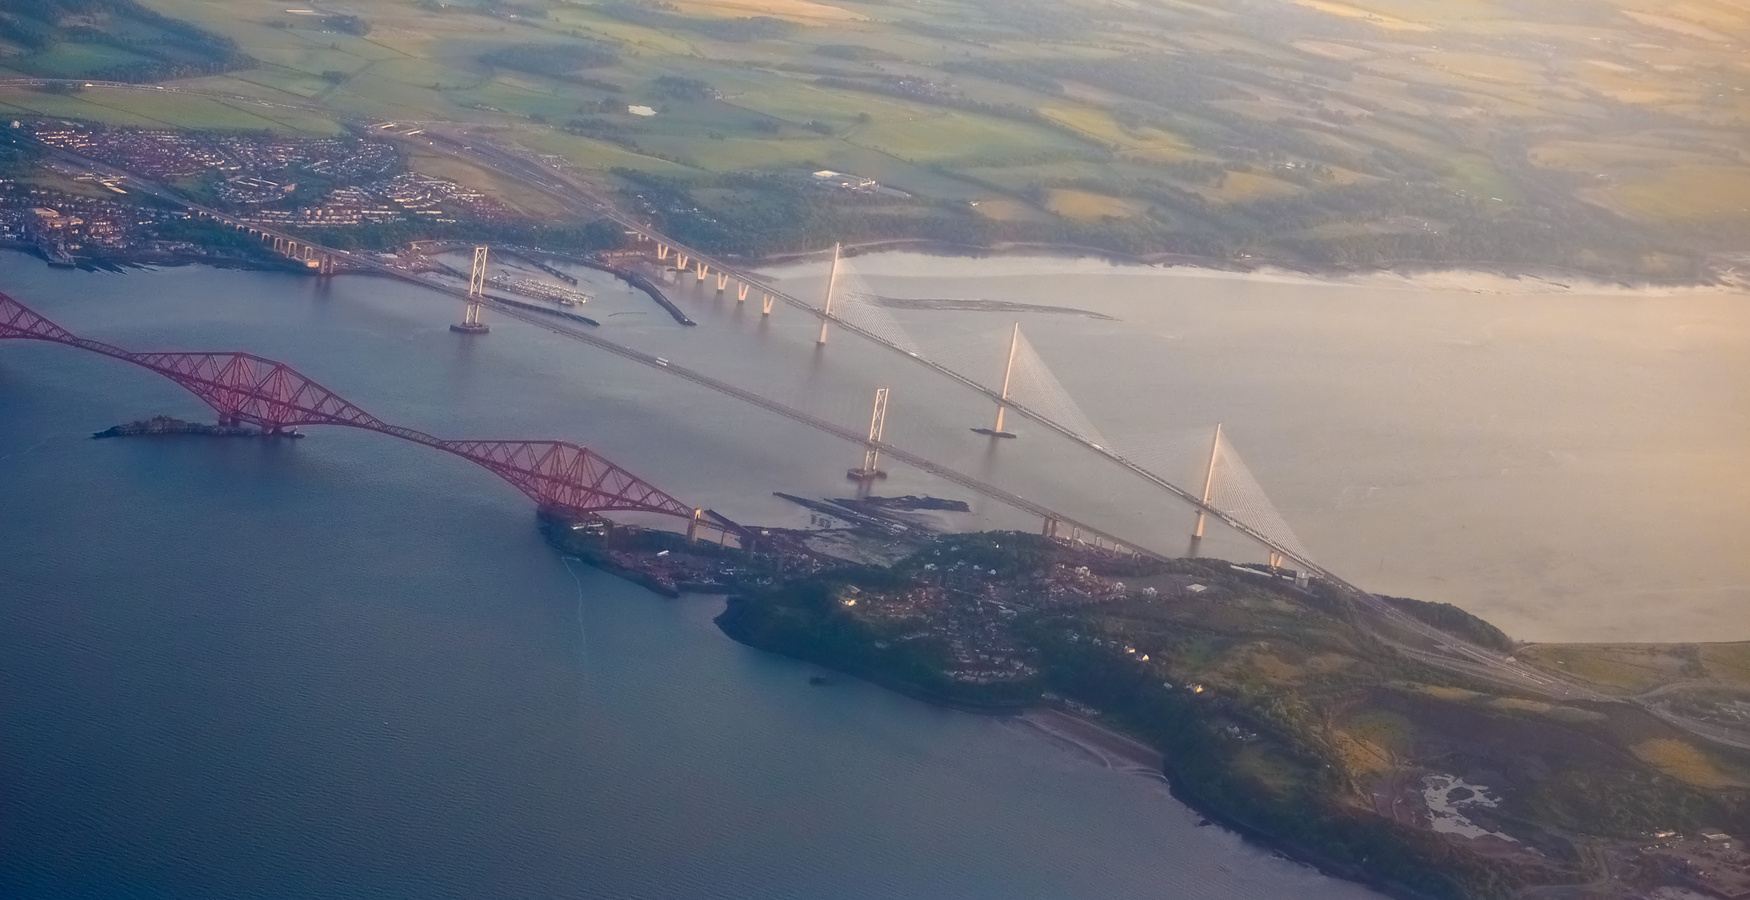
[[1285, 711], [159, 425]]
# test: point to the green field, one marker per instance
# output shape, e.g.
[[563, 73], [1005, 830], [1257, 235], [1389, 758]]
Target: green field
[[151, 109], [1519, 134]]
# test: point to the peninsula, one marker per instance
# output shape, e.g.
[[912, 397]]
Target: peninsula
[[1281, 707]]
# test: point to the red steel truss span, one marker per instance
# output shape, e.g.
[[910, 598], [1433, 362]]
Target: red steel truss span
[[245, 388]]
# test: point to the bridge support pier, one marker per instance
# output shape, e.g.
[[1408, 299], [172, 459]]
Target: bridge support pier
[[662, 251], [703, 270], [680, 261], [722, 281], [766, 304], [1050, 528], [741, 293], [693, 526]]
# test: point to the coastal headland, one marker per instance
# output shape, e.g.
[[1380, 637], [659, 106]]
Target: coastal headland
[[1276, 710]]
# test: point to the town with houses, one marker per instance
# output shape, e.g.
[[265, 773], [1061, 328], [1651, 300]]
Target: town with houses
[[69, 211]]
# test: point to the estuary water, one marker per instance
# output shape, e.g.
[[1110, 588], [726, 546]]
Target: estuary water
[[347, 666], [1569, 461]]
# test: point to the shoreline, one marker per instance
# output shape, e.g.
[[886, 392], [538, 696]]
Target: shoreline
[[1100, 744], [1478, 278], [1406, 274]]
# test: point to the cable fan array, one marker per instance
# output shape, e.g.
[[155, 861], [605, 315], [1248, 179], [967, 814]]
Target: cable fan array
[[1012, 368]]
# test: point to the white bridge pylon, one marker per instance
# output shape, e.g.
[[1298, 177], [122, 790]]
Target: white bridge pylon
[[1203, 457], [850, 299], [1205, 462], [1201, 461]]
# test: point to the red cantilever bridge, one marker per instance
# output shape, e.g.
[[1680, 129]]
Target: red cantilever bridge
[[242, 387]]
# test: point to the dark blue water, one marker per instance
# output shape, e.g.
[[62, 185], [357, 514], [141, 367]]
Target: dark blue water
[[349, 667]]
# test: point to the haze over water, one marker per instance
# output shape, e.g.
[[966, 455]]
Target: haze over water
[[348, 666]]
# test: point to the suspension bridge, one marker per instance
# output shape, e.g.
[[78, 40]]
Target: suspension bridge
[[860, 313]]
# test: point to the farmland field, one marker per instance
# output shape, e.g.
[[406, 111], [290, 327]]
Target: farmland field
[[1592, 136]]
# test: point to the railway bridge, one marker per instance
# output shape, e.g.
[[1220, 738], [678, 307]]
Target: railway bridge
[[244, 388]]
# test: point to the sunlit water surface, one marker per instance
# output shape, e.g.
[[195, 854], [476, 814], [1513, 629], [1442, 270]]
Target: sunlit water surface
[[349, 667]]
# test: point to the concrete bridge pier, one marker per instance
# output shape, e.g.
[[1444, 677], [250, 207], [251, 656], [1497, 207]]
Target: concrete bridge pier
[[741, 293], [662, 251], [722, 281], [766, 304], [703, 270], [680, 261]]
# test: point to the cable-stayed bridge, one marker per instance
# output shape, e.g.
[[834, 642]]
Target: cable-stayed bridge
[[1232, 494]]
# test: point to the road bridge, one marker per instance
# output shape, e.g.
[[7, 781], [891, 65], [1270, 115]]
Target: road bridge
[[547, 179]]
